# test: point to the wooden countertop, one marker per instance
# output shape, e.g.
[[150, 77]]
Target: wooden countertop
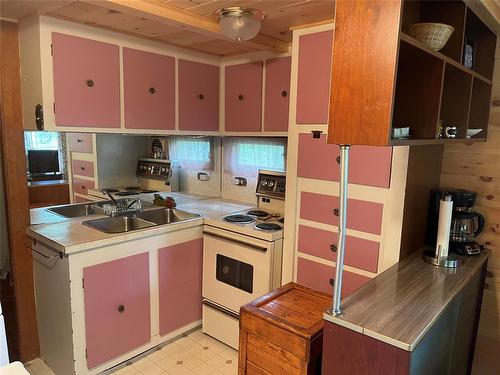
[[401, 304]]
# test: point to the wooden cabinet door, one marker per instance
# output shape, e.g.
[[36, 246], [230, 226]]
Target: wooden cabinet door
[[117, 307], [198, 96], [243, 97], [180, 271], [313, 82], [368, 165], [277, 98], [86, 82], [149, 90]]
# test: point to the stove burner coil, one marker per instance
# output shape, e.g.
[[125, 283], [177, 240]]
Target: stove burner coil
[[257, 213], [268, 226], [239, 219]]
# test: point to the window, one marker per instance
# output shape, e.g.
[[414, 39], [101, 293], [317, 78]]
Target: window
[[245, 156], [42, 140], [194, 153]]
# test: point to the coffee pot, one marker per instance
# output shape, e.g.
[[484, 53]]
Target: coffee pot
[[465, 226]]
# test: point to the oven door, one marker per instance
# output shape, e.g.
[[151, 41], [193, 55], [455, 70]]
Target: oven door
[[236, 268]]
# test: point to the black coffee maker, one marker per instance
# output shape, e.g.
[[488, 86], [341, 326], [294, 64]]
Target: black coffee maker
[[465, 223]]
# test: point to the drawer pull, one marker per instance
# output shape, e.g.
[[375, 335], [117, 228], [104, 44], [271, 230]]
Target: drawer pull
[[82, 168], [333, 248], [337, 159], [201, 97], [121, 309], [284, 93], [83, 187], [90, 83], [316, 133], [336, 212], [79, 140], [152, 90], [240, 97], [332, 282]]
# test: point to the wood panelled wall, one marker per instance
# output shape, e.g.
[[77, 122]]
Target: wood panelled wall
[[477, 167]]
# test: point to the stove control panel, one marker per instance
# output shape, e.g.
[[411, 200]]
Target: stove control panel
[[272, 184], [155, 169]]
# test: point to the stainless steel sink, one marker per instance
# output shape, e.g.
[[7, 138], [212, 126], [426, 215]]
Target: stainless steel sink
[[118, 224], [76, 210], [167, 216]]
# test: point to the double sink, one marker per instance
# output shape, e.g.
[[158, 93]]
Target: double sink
[[121, 224]]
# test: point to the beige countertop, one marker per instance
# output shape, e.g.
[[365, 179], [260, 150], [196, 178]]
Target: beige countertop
[[400, 305], [70, 235]]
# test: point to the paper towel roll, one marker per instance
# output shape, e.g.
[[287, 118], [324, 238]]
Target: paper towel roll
[[444, 225]]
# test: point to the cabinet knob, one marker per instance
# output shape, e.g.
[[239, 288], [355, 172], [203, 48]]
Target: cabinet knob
[[336, 212], [284, 93], [152, 90], [83, 187], [332, 282], [121, 309], [90, 83], [316, 133], [79, 140], [333, 248], [201, 97], [337, 159], [82, 168], [240, 97]]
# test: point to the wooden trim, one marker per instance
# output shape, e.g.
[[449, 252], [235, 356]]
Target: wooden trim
[[16, 191], [185, 20], [313, 24]]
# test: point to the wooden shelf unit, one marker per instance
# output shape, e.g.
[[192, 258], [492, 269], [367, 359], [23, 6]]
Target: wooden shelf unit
[[428, 87]]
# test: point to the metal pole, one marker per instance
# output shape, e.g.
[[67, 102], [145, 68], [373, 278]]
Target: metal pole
[[339, 266]]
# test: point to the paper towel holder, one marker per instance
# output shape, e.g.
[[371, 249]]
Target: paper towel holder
[[449, 261]]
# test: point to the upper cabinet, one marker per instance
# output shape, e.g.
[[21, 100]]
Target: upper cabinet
[[198, 96], [86, 82], [277, 94], [385, 79], [149, 90], [243, 97], [313, 82]]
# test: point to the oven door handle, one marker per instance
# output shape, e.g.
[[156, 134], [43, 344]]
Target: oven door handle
[[221, 309], [219, 236]]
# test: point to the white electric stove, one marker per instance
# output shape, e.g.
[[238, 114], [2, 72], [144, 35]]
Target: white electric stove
[[242, 257]]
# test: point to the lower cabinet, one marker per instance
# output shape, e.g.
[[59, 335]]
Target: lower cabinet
[[117, 307], [179, 282]]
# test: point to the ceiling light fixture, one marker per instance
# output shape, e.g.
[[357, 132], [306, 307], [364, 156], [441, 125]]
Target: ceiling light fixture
[[239, 23]]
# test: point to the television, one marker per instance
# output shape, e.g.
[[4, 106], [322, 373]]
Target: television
[[43, 161]]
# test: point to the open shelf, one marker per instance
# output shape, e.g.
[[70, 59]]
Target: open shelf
[[455, 99], [448, 12], [483, 41], [479, 107], [418, 91]]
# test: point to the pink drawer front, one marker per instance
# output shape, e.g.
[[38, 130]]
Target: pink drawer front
[[80, 142], [82, 186], [317, 276], [79, 199], [83, 168], [368, 165], [363, 216], [359, 253]]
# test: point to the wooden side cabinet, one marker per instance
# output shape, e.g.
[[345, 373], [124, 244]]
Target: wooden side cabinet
[[282, 332]]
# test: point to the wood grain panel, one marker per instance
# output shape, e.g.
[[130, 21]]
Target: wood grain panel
[[363, 71]]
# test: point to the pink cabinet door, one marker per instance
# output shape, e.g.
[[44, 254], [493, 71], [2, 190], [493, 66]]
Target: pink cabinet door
[[313, 82], [359, 253], [368, 165], [149, 90], [198, 96], [277, 98], [80, 142], [83, 168], [363, 216], [117, 307], [243, 97], [320, 277], [180, 271], [86, 82]]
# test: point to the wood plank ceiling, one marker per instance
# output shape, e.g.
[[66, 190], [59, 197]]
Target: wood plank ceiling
[[185, 23]]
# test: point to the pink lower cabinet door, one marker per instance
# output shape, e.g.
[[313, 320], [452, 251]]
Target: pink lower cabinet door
[[117, 307], [321, 277], [368, 165], [359, 253], [86, 82], [149, 90], [243, 97], [362, 216], [277, 98], [313, 82], [180, 270], [198, 96]]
